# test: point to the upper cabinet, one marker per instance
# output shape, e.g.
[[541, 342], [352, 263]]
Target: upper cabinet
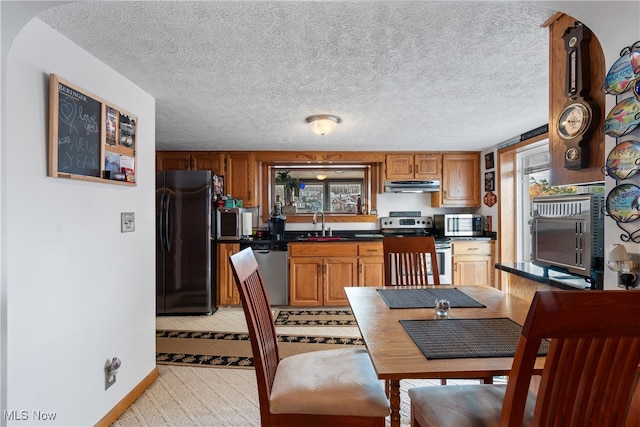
[[240, 177], [460, 185], [425, 166], [173, 160], [237, 168], [208, 161], [182, 160], [458, 173]]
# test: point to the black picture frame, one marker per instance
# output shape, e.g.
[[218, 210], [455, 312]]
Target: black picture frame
[[488, 161], [489, 181]]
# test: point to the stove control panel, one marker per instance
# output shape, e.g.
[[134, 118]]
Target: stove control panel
[[407, 223]]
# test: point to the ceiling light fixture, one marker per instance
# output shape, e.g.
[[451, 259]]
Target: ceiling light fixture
[[321, 177], [323, 124]]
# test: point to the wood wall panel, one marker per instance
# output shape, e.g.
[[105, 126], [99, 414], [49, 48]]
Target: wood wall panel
[[557, 99]]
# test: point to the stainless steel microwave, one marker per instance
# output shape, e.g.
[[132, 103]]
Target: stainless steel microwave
[[567, 232], [460, 225], [235, 223]]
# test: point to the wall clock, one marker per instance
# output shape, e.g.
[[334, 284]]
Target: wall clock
[[578, 118]]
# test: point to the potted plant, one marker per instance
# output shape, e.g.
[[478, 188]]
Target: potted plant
[[291, 186]]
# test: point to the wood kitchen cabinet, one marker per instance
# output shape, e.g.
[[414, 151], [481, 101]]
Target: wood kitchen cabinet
[[319, 272], [370, 264], [425, 166], [473, 262], [240, 177], [227, 290], [460, 185], [237, 168], [185, 160]]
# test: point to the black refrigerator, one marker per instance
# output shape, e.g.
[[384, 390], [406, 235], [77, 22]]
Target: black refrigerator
[[185, 250]]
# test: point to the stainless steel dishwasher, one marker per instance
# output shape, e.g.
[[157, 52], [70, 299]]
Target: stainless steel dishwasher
[[274, 266]]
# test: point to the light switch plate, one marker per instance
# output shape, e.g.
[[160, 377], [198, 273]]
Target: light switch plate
[[127, 222]]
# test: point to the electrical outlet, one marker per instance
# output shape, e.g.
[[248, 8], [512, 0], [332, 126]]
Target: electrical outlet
[[110, 371], [127, 222], [109, 377]]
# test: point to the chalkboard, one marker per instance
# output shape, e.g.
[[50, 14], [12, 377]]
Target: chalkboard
[[82, 126], [78, 133]]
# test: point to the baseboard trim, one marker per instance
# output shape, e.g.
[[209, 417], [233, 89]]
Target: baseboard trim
[[128, 400]]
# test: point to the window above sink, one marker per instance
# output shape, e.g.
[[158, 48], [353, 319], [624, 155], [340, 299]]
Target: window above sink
[[334, 189]]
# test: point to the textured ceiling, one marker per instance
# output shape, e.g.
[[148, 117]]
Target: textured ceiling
[[243, 75]]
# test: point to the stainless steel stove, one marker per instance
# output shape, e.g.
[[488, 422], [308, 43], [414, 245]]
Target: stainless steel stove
[[412, 223]]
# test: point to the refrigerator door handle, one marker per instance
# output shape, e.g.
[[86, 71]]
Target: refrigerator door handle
[[161, 226], [167, 222]]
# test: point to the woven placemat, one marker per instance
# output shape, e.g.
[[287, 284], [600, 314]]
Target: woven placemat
[[425, 298], [464, 338]]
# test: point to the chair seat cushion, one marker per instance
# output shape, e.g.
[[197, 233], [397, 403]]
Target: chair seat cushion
[[330, 382], [475, 405]]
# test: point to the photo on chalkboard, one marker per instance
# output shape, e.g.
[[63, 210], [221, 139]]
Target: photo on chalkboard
[[111, 126], [127, 162], [127, 131], [111, 162]]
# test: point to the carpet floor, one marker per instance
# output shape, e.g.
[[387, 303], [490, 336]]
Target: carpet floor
[[190, 395], [232, 349]]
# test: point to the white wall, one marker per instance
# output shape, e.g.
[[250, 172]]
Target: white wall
[[74, 291], [78, 291]]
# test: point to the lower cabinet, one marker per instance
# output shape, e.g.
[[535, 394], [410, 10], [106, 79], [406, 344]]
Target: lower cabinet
[[473, 262], [319, 272], [227, 290], [370, 264]]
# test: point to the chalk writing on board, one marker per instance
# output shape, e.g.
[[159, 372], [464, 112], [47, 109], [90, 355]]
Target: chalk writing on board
[[78, 133]]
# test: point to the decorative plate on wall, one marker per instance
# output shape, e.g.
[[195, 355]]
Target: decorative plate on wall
[[623, 203], [623, 71], [623, 118], [623, 161]]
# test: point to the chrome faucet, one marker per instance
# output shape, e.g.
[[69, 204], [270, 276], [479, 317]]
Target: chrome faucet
[[315, 219]]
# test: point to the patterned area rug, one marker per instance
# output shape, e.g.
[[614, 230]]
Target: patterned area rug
[[315, 317], [232, 349]]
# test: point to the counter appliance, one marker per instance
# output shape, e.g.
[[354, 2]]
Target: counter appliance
[[235, 223], [185, 272], [567, 232], [458, 225], [412, 223]]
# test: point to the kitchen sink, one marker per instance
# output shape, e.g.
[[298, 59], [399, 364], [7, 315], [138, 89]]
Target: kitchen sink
[[322, 239]]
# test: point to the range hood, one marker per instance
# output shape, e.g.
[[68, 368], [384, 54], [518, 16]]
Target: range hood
[[412, 186]]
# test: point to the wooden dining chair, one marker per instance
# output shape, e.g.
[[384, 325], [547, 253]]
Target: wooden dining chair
[[322, 388], [589, 376], [406, 261]]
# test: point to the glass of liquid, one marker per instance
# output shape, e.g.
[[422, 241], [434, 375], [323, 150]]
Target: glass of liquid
[[442, 307]]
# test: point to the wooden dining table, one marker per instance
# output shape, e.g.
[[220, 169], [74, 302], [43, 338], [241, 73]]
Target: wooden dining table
[[394, 354]]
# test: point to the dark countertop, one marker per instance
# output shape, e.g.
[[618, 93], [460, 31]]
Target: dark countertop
[[558, 279], [346, 235], [302, 236]]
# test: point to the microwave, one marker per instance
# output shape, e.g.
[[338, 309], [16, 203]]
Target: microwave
[[458, 225], [235, 223], [567, 232]]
